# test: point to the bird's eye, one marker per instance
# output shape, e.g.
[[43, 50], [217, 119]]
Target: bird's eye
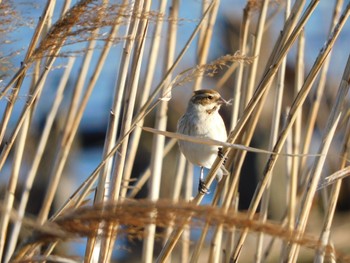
[[210, 97]]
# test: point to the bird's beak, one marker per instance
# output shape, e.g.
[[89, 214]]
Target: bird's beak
[[221, 101]]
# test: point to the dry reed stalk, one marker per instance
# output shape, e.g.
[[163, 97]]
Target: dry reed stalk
[[186, 236], [115, 114], [256, 51], [87, 185], [30, 103], [239, 76], [329, 131], [295, 107], [101, 187], [135, 81], [205, 40], [127, 89], [161, 123], [298, 102], [282, 45], [37, 158], [111, 134], [332, 202], [201, 35], [130, 90], [63, 151], [17, 160], [151, 66], [277, 109], [216, 242], [184, 169], [143, 29], [296, 133], [318, 93], [15, 231]]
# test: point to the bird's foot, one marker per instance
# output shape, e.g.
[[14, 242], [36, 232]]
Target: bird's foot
[[221, 155], [202, 188]]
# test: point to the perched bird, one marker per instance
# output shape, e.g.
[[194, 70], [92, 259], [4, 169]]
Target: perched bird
[[202, 119]]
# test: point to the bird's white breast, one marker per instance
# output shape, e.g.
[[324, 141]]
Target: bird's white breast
[[205, 126]]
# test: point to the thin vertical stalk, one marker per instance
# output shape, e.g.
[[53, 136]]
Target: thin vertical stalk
[[332, 202], [161, 124], [16, 165], [119, 88], [202, 33], [37, 158], [299, 79], [273, 138], [317, 95], [11, 188], [204, 231], [152, 61], [63, 151], [256, 51], [181, 173], [143, 29], [130, 98], [185, 248], [239, 76], [204, 42], [102, 178]]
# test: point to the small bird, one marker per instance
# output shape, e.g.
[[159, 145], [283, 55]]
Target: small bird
[[202, 119]]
